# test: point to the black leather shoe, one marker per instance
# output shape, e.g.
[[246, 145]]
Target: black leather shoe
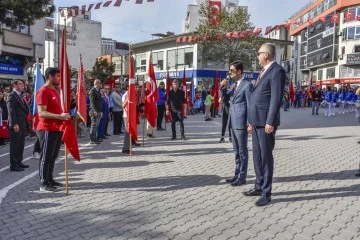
[[357, 174], [263, 201], [108, 135], [137, 144], [116, 134], [230, 180], [99, 140], [230, 140], [16, 169], [94, 142], [160, 129], [54, 183], [23, 165], [222, 140], [253, 192], [126, 152], [238, 182], [183, 137], [173, 138]]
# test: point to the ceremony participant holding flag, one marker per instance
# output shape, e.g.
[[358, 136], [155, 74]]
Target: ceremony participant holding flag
[[51, 117], [152, 96]]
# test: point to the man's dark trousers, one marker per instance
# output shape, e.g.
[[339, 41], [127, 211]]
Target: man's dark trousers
[[161, 111], [225, 118], [50, 142], [177, 117], [263, 145], [17, 144], [239, 141], [118, 122]]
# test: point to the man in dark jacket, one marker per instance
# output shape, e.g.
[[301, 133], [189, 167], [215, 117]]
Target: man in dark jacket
[[95, 111], [18, 111], [316, 99]]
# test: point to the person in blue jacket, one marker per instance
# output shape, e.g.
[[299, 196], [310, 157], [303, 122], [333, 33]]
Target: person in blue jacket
[[334, 100], [342, 96], [328, 99], [348, 102], [161, 106], [355, 98], [105, 115]]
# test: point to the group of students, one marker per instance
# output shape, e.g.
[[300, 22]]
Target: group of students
[[347, 99]]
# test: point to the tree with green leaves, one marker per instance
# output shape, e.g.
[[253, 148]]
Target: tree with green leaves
[[14, 13], [102, 69], [215, 45]]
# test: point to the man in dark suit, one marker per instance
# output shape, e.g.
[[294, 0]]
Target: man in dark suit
[[18, 111], [316, 100], [225, 101], [264, 119], [240, 96], [95, 111]]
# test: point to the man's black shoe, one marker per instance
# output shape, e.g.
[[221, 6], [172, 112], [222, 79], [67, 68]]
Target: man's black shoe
[[16, 169], [99, 140], [94, 142], [149, 135], [173, 138], [230, 140], [230, 180], [183, 137], [222, 140], [23, 165], [54, 183], [263, 201], [125, 151], [108, 135], [357, 174], [160, 129], [238, 182], [116, 134], [47, 188], [137, 144], [253, 192]]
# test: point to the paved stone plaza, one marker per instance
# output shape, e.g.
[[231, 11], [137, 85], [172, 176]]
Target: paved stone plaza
[[176, 190]]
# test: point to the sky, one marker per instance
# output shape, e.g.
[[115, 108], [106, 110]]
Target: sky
[[134, 23]]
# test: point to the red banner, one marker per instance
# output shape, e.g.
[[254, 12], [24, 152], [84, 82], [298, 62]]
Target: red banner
[[214, 12]]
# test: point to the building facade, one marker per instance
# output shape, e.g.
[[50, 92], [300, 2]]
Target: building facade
[[174, 58], [18, 49], [326, 51]]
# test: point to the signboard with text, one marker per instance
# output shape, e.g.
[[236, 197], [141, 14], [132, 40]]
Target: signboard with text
[[353, 59], [12, 70]]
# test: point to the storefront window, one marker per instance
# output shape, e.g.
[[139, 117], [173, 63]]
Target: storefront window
[[171, 58], [140, 62], [158, 61], [320, 74]]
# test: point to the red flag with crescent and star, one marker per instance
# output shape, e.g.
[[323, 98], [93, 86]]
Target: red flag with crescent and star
[[214, 12], [152, 95]]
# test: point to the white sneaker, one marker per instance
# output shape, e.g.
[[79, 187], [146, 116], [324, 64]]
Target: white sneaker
[[36, 155]]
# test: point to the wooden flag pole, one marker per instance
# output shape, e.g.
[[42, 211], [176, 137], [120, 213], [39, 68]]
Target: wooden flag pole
[[66, 172]]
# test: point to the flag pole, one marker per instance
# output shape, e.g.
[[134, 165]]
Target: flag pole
[[131, 152], [66, 150], [143, 90]]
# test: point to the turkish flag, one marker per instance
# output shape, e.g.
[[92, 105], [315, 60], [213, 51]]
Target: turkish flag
[[287, 25], [242, 34], [349, 16], [250, 33], [168, 88], [292, 92], [228, 35], [152, 95], [81, 94], [268, 30], [216, 89], [258, 31], [335, 18], [131, 108], [311, 23], [323, 19], [358, 18], [214, 12], [69, 136]]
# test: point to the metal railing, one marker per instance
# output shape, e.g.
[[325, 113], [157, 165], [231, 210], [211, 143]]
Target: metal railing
[[303, 8]]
